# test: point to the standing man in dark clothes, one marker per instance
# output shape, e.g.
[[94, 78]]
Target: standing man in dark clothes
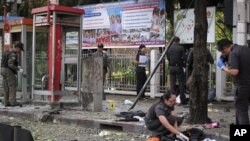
[[9, 72], [210, 60], [239, 68], [141, 61], [176, 58]]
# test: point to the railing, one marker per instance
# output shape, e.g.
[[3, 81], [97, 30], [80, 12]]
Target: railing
[[123, 77]]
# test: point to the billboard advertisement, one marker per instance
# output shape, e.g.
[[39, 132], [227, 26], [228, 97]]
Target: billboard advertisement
[[125, 24], [184, 25]]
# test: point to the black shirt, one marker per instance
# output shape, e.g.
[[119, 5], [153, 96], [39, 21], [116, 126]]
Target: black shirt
[[239, 58], [210, 59], [159, 109], [176, 55]]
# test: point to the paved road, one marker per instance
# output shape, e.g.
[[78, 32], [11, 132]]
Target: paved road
[[56, 131], [60, 132]]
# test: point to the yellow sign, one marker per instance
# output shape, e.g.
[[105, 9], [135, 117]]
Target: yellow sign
[[112, 104]]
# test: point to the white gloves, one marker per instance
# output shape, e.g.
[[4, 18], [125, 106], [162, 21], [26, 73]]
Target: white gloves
[[182, 137], [21, 70]]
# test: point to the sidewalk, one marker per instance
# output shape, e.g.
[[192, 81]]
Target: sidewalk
[[222, 112]]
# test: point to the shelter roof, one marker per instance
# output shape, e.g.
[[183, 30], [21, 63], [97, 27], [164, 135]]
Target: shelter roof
[[58, 8]]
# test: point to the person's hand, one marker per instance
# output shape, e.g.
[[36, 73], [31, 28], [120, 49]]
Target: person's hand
[[220, 64], [146, 62], [182, 137], [21, 70], [173, 113]]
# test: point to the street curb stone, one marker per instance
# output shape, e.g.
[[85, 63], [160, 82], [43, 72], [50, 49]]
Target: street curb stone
[[133, 127]]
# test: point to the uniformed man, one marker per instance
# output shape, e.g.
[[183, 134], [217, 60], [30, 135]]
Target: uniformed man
[[106, 62], [9, 72], [176, 58]]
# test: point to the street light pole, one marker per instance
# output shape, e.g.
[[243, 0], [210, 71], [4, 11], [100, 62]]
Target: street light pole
[[241, 20]]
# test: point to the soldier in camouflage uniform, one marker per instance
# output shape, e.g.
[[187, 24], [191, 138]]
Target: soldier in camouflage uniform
[[9, 72], [106, 62]]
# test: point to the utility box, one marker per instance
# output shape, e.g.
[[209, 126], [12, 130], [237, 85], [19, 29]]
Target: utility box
[[56, 52]]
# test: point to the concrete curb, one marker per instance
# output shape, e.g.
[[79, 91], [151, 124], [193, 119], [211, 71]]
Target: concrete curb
[[133, 127]]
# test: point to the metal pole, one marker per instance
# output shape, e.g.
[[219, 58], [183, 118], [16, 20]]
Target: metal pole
[[33, 57], [242, 22], [53, 54], [79, 64], [210, 66], [151, 74], [24, 63]]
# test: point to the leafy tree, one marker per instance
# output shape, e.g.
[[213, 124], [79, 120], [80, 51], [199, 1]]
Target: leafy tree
[[221, 30]]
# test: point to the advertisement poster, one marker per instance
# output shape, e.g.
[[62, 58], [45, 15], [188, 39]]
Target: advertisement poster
[[124, 24], [7, 39], [184, 25], [72, 39]]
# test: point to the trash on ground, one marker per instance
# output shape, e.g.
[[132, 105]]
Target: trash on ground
[[128, 102], [212, 125]]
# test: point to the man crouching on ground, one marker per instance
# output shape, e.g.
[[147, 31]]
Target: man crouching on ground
[[162, 120]]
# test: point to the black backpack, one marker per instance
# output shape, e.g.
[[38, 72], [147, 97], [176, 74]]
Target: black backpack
[[194, 134], [14, 133], [5, 59]]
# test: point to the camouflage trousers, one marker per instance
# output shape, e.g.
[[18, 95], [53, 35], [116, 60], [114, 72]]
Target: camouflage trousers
[[9, 86]]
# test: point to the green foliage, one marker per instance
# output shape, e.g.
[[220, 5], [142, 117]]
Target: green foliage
[[69, 2], [27, 5], [221, 30], [41, 64]]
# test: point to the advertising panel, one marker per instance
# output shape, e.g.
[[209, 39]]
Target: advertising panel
[[184, 25], [125, 24]]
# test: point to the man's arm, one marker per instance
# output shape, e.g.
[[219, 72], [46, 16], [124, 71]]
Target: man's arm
[[233, 72], [167, 53], [183, 56], [167, 125], [11, 62], [109, 64], [190, 57]]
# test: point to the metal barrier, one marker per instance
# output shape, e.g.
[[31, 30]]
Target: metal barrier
[[123, 77]]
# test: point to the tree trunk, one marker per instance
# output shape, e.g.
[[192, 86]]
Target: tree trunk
[[170, 15], [199, 77], [13, 11]]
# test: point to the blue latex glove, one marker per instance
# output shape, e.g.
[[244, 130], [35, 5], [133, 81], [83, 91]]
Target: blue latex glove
[[220, 64], [146, 62]]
